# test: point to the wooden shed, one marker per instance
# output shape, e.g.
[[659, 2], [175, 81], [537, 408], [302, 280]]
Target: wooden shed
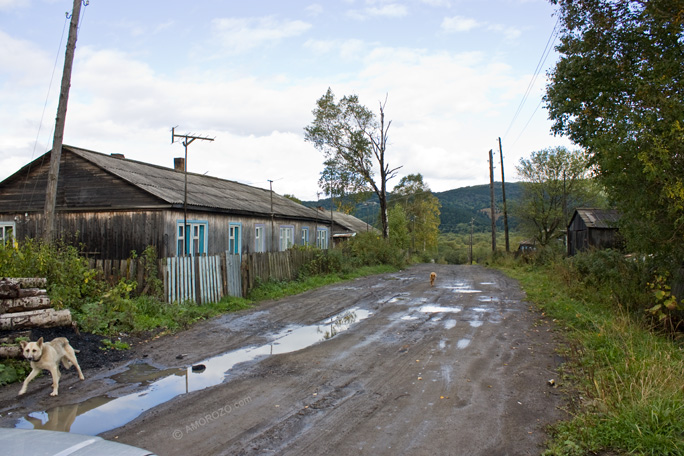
[[112, 205], [593, 228]]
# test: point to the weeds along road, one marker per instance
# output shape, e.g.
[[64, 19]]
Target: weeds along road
[[460, 368]]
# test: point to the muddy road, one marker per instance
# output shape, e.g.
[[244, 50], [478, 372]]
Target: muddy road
[[383, 365]]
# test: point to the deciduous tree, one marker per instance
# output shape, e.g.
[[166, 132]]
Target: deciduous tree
[[422, 211], [349, 134], [618, 92]]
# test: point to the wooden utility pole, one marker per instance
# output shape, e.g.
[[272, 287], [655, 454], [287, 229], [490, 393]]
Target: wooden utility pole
[[58, 138], [273, 236], [187, 140], [491, 194], [503, 194], [470, 252]]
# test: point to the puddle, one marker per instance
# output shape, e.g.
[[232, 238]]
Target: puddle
[[439, 309], [101, 414], [463, 343], [449, 324], [475, 323]]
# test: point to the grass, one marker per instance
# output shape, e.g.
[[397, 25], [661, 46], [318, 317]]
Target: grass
[[625, 382]]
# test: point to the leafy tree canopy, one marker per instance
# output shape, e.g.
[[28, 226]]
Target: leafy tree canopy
[[618, 92]]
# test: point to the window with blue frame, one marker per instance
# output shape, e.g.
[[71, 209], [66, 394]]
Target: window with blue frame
[[322, 238], [259, 239], [305, 236], [191, 239], [234, 239], [286, 237], [7, 231]]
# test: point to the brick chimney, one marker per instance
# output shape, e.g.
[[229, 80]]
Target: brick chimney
[[179, 164]]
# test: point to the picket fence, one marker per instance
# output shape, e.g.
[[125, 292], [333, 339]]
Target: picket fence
[[205, 279]]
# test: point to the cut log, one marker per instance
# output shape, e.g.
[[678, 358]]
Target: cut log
[[46, 318], [31, 282], [10, 351], [24, 304], [26, 292], [9, 288], [19, 287]]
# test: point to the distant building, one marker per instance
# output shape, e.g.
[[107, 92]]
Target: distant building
[[593, 228]]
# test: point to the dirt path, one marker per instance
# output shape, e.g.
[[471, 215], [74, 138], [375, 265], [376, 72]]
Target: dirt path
[[456, 369]]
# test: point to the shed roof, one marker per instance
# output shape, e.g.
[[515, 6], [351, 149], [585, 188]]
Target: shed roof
[[208, 192], [598, 218]]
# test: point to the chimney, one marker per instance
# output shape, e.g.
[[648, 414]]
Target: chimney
[[179, 164], [121, 156]]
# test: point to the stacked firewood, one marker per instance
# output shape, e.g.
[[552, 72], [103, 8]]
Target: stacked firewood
[[24, 304]]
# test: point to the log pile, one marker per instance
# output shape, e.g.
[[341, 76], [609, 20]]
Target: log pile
[[24, 304]]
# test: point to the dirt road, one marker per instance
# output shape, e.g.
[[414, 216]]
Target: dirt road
[[383, 365]]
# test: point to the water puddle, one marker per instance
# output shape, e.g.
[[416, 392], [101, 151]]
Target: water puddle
[[439, 309], [101, 414], [463, 343]]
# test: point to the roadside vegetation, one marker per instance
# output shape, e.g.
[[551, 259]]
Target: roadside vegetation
[[116, 311], [624, 351]]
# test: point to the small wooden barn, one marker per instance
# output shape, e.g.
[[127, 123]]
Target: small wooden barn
[[112, 205], [593, 228]]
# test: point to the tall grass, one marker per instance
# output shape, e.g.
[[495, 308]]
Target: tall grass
[[625, 382]]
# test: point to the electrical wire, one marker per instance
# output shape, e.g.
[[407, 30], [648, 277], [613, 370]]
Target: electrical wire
[[537, 71]]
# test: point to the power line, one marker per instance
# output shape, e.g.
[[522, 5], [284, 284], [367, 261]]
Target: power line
[[540, 65]]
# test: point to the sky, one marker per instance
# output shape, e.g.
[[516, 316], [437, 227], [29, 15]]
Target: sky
[[455, 75]]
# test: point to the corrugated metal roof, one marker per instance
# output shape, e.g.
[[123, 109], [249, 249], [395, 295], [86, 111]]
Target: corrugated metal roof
[[168, 185], [599, 218], [352, 223]]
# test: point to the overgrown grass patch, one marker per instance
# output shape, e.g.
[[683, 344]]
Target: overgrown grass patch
[[628, 380]]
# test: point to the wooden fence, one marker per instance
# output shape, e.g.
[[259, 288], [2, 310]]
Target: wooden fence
[[205, 279]]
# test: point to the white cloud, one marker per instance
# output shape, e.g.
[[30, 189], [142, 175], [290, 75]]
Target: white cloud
[[314, 9], [7, 5], [383, 9], [238, 35], [459, 24]]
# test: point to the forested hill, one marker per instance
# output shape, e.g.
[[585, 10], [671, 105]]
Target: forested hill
[[459, 207]]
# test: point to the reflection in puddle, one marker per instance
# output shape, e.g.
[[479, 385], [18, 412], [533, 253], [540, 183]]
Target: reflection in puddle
[[463, 343], [101, 414], [475, 323], [449, 324], [437, 309]]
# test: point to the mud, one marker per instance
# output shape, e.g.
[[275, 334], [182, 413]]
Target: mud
[[379, 365]]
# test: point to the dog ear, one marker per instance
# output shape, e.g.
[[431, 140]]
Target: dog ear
[[40, 342], [23, 344]]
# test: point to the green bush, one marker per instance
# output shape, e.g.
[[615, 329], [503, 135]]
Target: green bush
[[371, 249]]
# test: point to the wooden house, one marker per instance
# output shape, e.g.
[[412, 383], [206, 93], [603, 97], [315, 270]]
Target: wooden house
[[593, 228], [112, 205]]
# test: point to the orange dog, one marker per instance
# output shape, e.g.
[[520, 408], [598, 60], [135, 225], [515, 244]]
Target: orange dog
[[433, 276]]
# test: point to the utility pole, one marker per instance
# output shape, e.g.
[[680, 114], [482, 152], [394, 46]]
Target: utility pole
[[187, 140], [503, 194], [470, 252], [491, 196], [273, 237], [58, 138]]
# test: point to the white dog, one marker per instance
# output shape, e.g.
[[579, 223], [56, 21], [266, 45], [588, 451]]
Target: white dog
[[48, 355]]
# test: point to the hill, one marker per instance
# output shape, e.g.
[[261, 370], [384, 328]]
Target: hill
[[459, 207]]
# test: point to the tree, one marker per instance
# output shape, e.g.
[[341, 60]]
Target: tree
[[422, 211], [554, 182], [400, 231], [618, 92], [337, 180], [350, 135]]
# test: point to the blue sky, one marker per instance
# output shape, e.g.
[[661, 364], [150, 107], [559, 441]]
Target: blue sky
[[249, 73]]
